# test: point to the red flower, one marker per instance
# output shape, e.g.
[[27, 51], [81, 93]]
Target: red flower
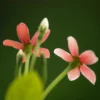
[[86, 58], [24, 37]]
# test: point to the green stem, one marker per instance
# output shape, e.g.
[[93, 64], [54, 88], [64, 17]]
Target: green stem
[[55, 82], [19, 72], [34, 56], [42, 32], [18, 68], [27, 64], [43, 68]]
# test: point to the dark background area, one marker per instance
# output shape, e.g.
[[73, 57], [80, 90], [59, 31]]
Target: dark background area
[[77, 18]]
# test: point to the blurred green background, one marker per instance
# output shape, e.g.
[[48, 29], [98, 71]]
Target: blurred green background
[[78, 18]]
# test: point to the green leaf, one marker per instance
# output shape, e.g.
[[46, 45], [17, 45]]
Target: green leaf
[[26, 87]]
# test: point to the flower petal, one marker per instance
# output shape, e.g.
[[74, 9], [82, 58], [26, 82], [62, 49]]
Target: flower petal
[[23, 33], [63, 54], [35, 37], [44, 51], [88, 73], [73, 46], [88, 57], [13, 44], [73, 74]]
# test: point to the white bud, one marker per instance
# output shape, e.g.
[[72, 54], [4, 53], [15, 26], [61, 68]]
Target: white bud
[[20, 53], [44, 24]]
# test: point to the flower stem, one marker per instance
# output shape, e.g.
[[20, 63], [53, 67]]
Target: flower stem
[[27, 64], [33, 60], [55, 82], [38, 44], [19, 72], [43, 68]]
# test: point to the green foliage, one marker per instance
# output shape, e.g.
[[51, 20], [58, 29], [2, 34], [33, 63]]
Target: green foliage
[[26, 87]]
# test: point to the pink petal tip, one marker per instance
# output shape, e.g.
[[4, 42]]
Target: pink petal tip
[[74, 74], [73, 46], [13, 44], [23, 33], [88, 57], [63, 54], [88, 73]]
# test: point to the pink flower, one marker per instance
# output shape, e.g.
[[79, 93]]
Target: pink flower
[[24, 37], [86, 58]]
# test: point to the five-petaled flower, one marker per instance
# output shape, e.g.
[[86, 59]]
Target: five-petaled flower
[[24, 37], [86, 58]]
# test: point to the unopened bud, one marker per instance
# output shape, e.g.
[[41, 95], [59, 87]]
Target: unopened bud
[[44, 25], [20, 56]]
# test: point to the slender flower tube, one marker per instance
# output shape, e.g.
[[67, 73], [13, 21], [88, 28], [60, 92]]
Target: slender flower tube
[[86, 58], [19, 58], [43, 28]]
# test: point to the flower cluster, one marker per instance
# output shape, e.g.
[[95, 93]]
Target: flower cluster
[[30, 49]]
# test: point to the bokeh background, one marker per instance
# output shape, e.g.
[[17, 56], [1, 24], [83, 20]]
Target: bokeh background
[[78, 18]]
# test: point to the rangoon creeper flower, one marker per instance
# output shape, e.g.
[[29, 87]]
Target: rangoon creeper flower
[[86, 58], [24, 37]]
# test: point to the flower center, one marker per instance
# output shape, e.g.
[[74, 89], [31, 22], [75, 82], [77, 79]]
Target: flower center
[[28, 48], [75, 63]]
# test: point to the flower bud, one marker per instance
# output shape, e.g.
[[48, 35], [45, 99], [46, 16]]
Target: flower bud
[[44, 25], [20, 56]]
